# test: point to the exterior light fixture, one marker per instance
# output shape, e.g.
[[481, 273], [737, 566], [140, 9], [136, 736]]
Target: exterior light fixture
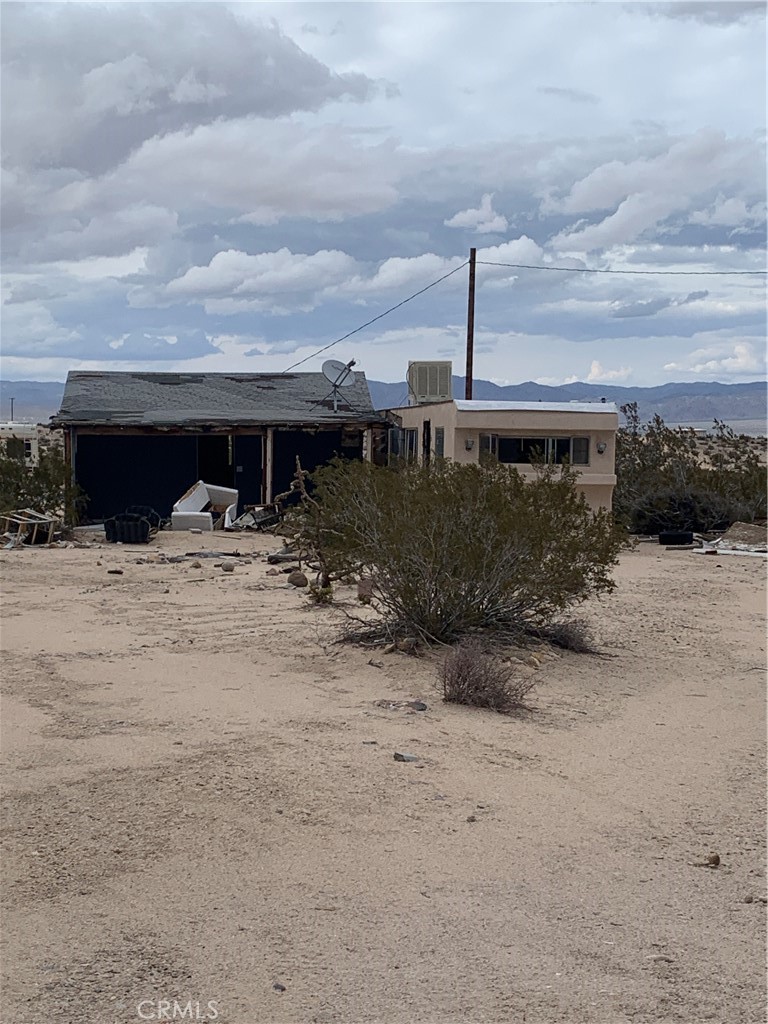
[[601, 446], [469, 444]]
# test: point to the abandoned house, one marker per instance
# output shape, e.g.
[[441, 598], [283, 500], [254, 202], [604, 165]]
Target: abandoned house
[[144, 438], [583, 433]]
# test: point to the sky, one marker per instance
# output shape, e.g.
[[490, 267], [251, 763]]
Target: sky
[[233, 187]]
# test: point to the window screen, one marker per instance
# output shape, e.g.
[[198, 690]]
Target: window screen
[[580, 455]]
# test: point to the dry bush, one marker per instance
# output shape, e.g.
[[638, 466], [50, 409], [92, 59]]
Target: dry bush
[[570, 635], [471, 675]]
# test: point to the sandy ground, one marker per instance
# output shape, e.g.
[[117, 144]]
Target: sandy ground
[[201, 801]]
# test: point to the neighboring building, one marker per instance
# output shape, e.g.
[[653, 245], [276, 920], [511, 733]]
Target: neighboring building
[[27, 433], [584, 433], [145, 438]]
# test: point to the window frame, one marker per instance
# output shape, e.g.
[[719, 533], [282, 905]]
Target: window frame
[[489, 445]]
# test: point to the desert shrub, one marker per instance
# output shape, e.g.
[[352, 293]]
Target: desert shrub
[[456, 549], [570, 635], [469, 674], [46, 487], [665, 483]]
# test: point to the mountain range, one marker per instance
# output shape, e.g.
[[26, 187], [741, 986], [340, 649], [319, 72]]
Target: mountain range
[[697, 403]]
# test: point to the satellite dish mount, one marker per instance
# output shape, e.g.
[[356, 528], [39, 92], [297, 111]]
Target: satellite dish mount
[[339, 375]]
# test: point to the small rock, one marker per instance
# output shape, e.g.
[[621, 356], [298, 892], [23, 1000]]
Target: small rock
[[660, 958], [405, 757], [167, 590], [408, 645], [194, 529], [115, 572], [227, 567], [365, 590], [278, 987], [749, 899], [370, 743], [375, 664], [298, 579], [714, 860], [273, 572], [417, 705], [471, 818], [197, 565]]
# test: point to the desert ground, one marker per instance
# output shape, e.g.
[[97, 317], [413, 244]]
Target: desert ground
[[202, 806]]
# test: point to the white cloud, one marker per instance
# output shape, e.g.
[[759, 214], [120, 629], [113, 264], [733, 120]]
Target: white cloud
[[740, 358], [599, 375], [484, 220]]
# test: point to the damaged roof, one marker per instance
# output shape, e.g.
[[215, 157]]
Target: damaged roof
[[189, 399]]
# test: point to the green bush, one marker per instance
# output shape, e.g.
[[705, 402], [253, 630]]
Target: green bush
[[665, 482], [459, 549], [46, 487]]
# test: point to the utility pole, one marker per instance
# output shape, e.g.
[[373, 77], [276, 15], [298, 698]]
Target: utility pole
[[12, 401], [470, 326]]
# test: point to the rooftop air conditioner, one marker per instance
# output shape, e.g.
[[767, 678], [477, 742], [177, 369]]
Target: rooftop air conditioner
[[429, 381]]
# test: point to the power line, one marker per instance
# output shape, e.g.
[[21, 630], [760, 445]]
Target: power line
[[379, 317], [590, 270]]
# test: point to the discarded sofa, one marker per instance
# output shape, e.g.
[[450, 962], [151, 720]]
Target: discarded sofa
[[205, 507], [129, 528]]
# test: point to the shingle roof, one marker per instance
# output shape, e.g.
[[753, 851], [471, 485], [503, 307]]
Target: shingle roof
[[187, 399]]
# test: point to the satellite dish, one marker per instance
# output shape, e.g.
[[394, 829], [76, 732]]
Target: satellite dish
[[338, 373]]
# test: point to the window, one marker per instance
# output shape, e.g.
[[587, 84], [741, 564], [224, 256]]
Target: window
[[403, 444], [439, 442], [410, 444], [526, 450], [489, 445], [580, 451], [27, 449]]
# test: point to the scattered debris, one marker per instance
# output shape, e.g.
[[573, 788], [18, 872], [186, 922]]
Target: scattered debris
[[660, 958], [740, 539], [471, 818], [278, 987], [205, 507], [282, 556], [375, 664], [115, 572], [405, 757], [401, 705], [258, 517], [27, 526], [298, 579]]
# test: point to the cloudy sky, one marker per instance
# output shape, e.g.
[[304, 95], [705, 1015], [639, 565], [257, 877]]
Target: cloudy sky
[[229, 187]]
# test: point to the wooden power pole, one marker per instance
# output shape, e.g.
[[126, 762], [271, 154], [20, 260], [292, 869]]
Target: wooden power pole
[[470, 326]]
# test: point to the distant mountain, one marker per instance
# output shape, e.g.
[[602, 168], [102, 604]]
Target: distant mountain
[[33, 400], [697, 403]]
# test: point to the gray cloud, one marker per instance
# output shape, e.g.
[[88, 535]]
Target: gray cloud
[[84, 85], [710, 12], [649, 307], [576, 95]]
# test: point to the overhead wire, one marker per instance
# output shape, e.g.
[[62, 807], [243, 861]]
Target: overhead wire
[[524, 266], [379, 317], [659, 273]]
